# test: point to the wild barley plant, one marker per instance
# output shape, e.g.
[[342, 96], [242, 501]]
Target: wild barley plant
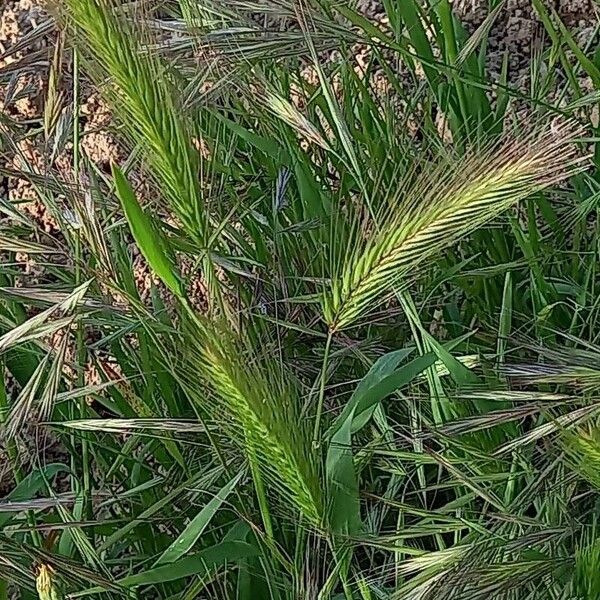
[[255, 398], [142, 89]]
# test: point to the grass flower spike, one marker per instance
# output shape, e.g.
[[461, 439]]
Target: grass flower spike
[[444, 205]]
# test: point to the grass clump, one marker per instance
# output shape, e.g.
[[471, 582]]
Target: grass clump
[[341, 344]]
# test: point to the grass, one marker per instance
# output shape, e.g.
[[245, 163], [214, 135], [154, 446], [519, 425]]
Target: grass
[[366, 365]]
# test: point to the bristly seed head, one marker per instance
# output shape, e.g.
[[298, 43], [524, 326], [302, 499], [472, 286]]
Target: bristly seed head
[[445, 204]]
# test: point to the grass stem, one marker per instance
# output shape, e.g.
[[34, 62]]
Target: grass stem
[[321, 397]]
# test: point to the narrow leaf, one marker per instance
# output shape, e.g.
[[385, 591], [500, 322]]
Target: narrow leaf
[[196, 527], [196, 564], [151, 242]]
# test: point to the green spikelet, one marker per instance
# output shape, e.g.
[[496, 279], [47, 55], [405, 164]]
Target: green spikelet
[[262, 407], [445, 205], [142, 91]]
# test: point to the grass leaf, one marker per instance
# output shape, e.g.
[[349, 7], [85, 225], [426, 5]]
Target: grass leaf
[[150, 240], [190, 535]]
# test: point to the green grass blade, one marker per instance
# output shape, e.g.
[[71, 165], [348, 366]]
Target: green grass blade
[[30, 486], [381, 369], [196, 527], [195, 564], [149, 239]]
